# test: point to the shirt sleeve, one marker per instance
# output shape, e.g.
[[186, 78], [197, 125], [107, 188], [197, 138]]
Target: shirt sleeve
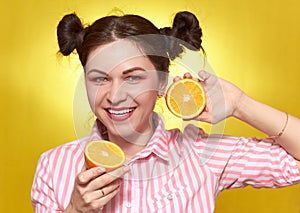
[[248, 161], [42, 195]]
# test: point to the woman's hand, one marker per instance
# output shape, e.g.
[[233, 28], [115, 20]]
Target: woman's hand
[[94, 188], [222, 97]]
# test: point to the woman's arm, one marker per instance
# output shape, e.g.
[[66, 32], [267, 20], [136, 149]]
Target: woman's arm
[[225, 99]]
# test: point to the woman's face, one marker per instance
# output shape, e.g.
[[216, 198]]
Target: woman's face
[[122, 86]]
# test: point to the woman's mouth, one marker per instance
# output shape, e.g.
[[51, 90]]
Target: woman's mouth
[[120, 114]]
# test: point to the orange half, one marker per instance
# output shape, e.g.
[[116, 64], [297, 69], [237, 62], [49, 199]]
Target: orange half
[[104, 154], [186, 98]]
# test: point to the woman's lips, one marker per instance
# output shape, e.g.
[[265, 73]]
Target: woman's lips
[[120, 114]]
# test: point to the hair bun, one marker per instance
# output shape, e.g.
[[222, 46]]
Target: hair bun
[[69, 34], [188, 32], [186, 27]]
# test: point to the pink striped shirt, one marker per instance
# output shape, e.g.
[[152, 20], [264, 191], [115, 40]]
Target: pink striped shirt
[[176, 172]]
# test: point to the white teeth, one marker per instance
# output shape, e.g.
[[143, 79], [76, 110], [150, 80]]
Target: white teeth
[[120, 112]]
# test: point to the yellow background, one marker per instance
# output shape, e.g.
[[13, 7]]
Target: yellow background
[[254, 44]]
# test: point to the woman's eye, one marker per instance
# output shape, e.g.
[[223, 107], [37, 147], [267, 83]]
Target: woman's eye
[[100, 79], [133, 78]]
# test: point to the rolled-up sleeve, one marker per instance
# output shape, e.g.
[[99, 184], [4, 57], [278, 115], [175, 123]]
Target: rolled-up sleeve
[[259, 164]]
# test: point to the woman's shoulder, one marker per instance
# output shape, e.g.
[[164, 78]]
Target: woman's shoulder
[[196, 133], [203, 142]]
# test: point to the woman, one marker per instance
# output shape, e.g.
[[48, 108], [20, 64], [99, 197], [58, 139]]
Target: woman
[[126, 62]]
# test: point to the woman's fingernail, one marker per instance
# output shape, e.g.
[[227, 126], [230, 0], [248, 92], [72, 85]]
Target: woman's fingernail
[[203, 74], [176, 78], [101, 169]]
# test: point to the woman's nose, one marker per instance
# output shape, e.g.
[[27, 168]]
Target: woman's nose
[[116, 93]]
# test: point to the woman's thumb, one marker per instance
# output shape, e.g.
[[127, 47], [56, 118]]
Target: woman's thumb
[[203, 75]]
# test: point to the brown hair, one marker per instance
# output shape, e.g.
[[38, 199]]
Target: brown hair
[[185, 32]]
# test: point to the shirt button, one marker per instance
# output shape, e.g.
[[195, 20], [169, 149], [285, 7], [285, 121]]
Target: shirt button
[[170, 197], [128, 204]]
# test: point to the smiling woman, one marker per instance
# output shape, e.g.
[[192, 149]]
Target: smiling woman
[[126, 62], [254, 43]]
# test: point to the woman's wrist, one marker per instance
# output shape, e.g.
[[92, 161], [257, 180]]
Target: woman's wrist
[[243, 102], [269, 120]]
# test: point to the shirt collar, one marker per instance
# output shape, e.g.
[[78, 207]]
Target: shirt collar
[[158, 143], [95, 133]]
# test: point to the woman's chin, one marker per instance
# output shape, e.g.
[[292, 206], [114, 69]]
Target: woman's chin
[[129, 134], [124, 132]]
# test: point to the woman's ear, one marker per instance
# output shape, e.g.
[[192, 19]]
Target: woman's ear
[[162, 88]]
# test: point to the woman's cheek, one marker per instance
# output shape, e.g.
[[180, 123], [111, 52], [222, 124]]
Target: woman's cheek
[[92, 96]]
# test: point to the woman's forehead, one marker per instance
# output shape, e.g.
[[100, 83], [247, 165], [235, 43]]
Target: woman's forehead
[[111, 55]]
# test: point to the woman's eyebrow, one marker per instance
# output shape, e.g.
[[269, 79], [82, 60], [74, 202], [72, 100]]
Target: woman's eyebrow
[[98, 71], [133, 69]]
